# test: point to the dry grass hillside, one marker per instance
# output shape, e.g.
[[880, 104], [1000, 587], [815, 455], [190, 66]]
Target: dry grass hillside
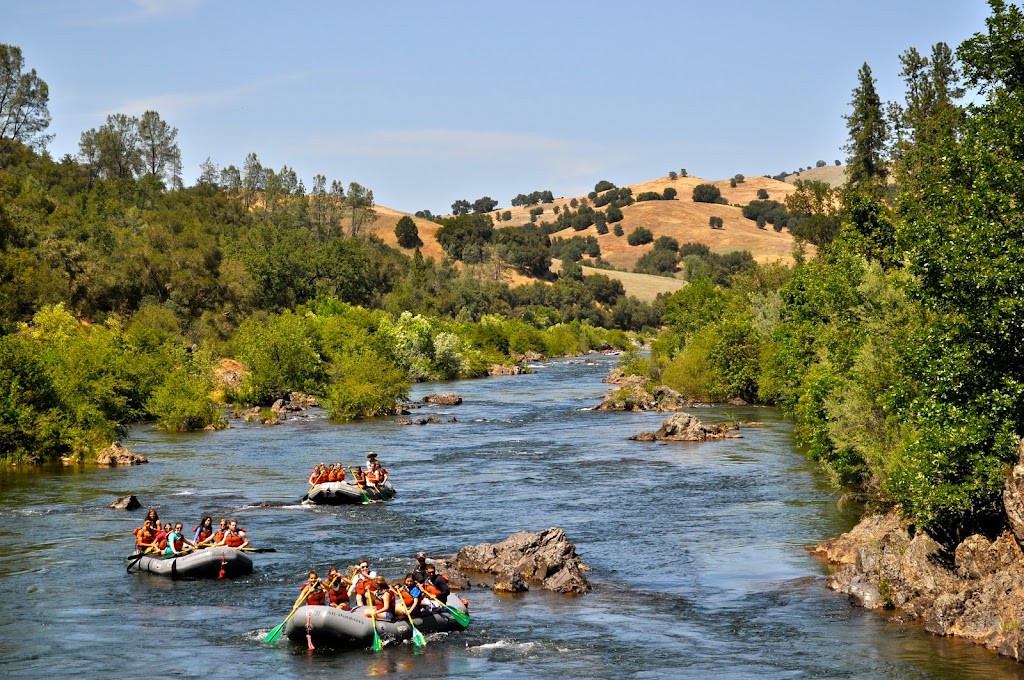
[[682, 219], [834, 175]]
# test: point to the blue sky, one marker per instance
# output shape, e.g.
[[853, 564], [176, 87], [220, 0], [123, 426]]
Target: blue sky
[[429, 102]]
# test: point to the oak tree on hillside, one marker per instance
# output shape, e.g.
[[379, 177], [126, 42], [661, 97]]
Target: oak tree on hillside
[[359, 205]]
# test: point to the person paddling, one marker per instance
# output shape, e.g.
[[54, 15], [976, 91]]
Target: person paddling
[[410, 597], [202, 531], [337, 591], [360, 581], [381, 600], [177, 544], [317, 593], [234, 537], [145, 537], [436, 584]]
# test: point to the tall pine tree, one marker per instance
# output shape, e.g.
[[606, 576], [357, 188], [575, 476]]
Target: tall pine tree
[[869, 133]]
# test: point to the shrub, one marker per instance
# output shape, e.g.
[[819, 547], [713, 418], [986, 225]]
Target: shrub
[[182, 402], [716, 222], [648, 196], [365, 386], [761, 221], [617, 230], [673, 175], [640, 236], [613, 214], [603, 185], [669, 193], [820, 164], [666, 243], [762, 194], [707, 193]]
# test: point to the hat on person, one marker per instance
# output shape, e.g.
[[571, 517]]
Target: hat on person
[[371, 454], [421, 555]]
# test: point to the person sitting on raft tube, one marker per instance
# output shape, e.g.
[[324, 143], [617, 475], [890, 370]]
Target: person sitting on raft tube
[[315, 587], [360, 581], [218, 536], [377, 475], [382, 602], [411, 597], [153, 519], [160, 540], [359, 477], [145, 537], [337, 589], [436, 584], [234, 537], [202, 531], [177, 544]]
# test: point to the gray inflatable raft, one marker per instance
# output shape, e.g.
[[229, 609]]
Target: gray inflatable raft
[[205, 563], [337, 628], [343, 493]]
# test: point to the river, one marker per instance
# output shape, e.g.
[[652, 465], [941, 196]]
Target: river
[[697, 550]]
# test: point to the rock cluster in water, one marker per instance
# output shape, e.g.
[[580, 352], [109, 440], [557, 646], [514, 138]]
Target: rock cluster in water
[[126, 503], [977, 592], [446, 399], [632, 395], [546, 557], [116, 454], [683, 427]]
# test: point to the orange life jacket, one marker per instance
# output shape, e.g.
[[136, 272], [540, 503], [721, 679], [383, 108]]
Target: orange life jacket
[[322, 479], [143, 537], [407, 599], [332, 476], [376, 476], [203, 534], [316, 598], [361, 585], [338, 595], [379, 597], [233, 540], [218, 537]]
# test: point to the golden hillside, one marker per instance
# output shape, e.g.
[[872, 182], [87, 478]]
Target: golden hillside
[[682, 219]]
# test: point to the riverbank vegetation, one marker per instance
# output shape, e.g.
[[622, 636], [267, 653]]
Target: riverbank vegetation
[[898, 349]]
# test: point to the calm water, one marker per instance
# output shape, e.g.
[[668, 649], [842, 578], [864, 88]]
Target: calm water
[[697, 549]]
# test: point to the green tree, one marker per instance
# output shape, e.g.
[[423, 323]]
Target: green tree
[[407, 234], [24, 100], [707, 193], [484, 205], [359, 205], [640, 236], [161, 158], [762, 194], [866, 168]]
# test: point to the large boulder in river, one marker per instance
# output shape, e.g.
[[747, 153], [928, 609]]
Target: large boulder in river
[[505, 369], [546, 557], [115, 454], [631, 395], [126, 503], [684, 427]]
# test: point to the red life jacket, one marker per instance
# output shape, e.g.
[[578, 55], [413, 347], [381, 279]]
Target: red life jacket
[[233, 540], [338, 595]]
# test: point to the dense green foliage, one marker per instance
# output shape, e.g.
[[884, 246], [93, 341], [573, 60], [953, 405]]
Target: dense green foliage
[[898, 349], [707, 193]]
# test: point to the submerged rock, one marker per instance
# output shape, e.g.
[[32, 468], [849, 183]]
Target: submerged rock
[[545, 557], [115, 454]]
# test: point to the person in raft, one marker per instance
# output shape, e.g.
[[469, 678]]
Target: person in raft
[[234, 537], [370, 458], [154, 520], [337, 589], [419, 571], [145, 537], [410, 597], [436, 584], [382, 602], [317, 594], [160, 541], [377, 475], [202, 531], [177, 544], [360, 581]]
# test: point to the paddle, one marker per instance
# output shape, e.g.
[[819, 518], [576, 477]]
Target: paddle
[[417, 637], [366, 499], [377, 646], [134, 560], [258, 550], [275, 632], [461, 618]]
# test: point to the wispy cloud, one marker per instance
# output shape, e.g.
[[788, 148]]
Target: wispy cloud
[[137, 11], [565, 157], [174, 104]]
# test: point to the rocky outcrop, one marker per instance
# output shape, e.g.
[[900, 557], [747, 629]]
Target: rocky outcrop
[[528, 355], [545, 557], [294, 402], [976, 593], [421, 421], [115, 454], [126, 503], [263, 416], [446, 399], [683, 427], [632, 395]]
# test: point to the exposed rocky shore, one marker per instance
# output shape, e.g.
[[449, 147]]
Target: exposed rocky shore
[[975, 591]]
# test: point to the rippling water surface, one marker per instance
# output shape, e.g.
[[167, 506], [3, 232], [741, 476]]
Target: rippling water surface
[[697, 550]]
